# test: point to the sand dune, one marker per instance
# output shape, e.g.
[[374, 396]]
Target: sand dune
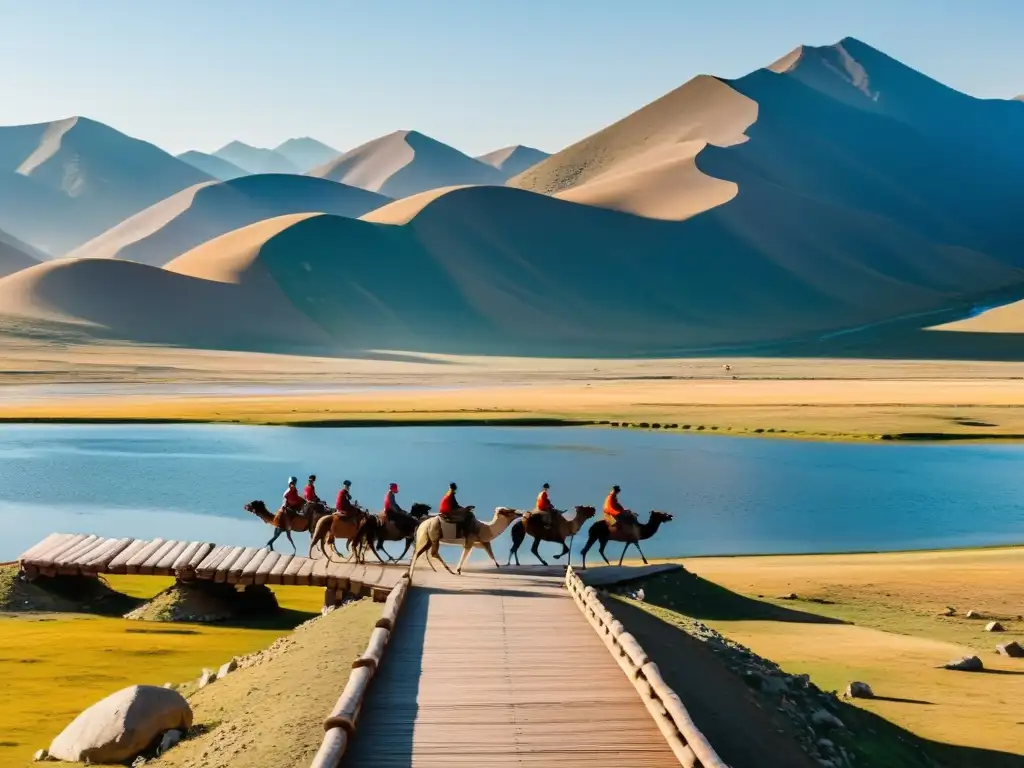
[[306, 153], [513, 160], [255, 159], [64, 182], [173, 226], [14, 255], [216, 167], [405, 163], [125, 300]]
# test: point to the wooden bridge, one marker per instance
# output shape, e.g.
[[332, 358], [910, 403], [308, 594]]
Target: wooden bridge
[[67, 554]]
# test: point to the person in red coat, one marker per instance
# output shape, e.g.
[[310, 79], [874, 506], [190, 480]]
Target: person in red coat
[[344, 503], [293, 502], [309, 493], [551, 515], [614, 512]]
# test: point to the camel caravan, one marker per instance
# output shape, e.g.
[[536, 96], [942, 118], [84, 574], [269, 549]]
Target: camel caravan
[[455, 524]]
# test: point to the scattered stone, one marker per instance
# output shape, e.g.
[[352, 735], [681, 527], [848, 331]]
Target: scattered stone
[[208, 677], [118, 728], [790, 596], [640, 594], [170, 739], [826, 745], [40, 756], [138, 762], [994, 626], [825, 718], [974, 615], [950, 611], [1012, 649], [227, 668], [170, 686], [857, 690], [966, 664]]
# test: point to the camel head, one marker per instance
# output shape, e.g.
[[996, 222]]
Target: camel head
[[256, 506], [507, 513], [660, 517], [585, 513], [419, 510]]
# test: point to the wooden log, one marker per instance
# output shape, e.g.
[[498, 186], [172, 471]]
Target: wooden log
[[633, 649], [357, 580], [278, 571], [221, 574], [165, 565], [201, 553], [332, 749], [183, 558], [207, 567], [50, 541], [304, 573], [44, 557], [235, 573], [262, 576], [374, 649], [291, 571], [249, 571], [389, 616], [143, 555], [692, 735], [346, 710], [100, 562], [318, 574], [379, 594], [338, 574], [70, 563], [149, 566], [683, 753], [71, 554], [120, 563]]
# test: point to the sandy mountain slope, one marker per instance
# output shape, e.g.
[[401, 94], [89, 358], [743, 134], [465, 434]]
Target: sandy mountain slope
[[14, 255], [118, 299], [216, 167], [173, 226], [83, 176], [404, 163], [306, 153], [513, 160], [255, 159]]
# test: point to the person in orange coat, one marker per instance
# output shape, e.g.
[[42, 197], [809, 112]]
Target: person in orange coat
[[451, 510], [614, 512], [551, 516]]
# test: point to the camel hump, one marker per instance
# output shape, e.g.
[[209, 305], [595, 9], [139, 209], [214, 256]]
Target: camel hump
[[449, 531]]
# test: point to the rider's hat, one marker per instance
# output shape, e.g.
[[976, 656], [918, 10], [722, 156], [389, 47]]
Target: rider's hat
[[546, 486], [292, 480], [616, 488], [312, 478], [394, 487], [453, 486], [347, 483]]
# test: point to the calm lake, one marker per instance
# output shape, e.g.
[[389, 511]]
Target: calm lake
[[729, 495]]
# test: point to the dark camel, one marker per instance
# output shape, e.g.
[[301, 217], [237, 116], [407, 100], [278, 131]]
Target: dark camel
[[285, 521], [377, 529], [330, 528], [532, 523], [631, 534]]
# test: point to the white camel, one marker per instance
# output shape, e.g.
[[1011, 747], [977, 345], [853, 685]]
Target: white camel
[[431, 534]]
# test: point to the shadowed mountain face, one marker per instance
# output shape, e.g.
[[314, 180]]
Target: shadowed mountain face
[[15, 255], [255, 159], [306, 153], [405, 163], [173, 226], [64, 182], [213, 166], [512, 161]]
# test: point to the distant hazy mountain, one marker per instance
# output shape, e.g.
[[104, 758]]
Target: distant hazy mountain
[[15, 255], [255, 159], [306, 153], [513, 160], [216, 167], [171, 227], [66, 181], [406, 162]]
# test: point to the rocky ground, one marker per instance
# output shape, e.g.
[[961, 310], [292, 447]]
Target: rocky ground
[[63, 594], [205, 602]]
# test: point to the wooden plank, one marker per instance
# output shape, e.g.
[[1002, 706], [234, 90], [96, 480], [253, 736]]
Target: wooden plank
[[120, 563], [248, 574], [46, 558], [165, 565], [101, 559], [207, 568], [235, 574], [337, 574], [140, 557], [67, 559], [304, 574], [180, 565], [50, 541], [205, 548], [148, 566], [221, 576], [291, 573], [277, 572], [318, 574], [357, 580], [266, 567]]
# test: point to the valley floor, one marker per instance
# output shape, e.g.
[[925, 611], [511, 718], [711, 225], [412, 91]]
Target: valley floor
[[803, 398]]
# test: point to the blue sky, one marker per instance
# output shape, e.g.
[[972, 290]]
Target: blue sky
[[478, 74]]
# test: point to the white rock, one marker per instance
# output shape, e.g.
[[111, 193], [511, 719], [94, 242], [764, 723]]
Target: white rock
[[208, 677], [170, 739], [40, 756], [994, 626], [640, 595], [973, 615], [227, 668], [120, 726]]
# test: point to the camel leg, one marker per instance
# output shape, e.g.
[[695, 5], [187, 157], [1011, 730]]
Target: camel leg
[[565, 551], [583, 552], [435, 551], [291, 541], [536, 553], [408, 543], [487, 548], [380, 548], [465, 553], [518, 532], [600, 549], [637, 545], [270, 544], [373, 549]]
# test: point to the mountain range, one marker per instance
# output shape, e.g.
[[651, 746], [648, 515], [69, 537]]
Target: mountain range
[[831, 191]]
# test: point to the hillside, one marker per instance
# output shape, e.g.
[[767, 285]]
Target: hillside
[[255, 159], [405, 163], [14, 255], [513, 160], [64, 182], [216, 167], [306, 153], [171, 227]]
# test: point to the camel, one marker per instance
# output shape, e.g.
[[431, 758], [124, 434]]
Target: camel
[[532, 524], [330, 528], [431, 533], [285, 521], [600, 531], [377, 529]]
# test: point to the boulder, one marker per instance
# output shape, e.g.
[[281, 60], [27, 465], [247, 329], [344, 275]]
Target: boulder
[[208, 677], [994, 626], [974, 615], [121, 726], [950, 611], [1012, 649], [40, 756], [822, 717], [170, 739], [227, 668], [790, 596], [966, 664], [857, 690]]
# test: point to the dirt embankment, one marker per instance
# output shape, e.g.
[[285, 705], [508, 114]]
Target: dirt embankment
[[63, 594]]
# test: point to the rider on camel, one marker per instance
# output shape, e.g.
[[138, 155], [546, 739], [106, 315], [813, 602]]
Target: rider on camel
[[614, 512], [309, 493], [293, 502], [394, 513], [344, 504], [552, 517], [453, 512]]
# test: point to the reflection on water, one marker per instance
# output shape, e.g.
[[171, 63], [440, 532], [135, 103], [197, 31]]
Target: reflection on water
[[729, 495]]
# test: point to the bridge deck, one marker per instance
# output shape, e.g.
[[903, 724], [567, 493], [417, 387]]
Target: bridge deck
[[501, 670], [89, 555]]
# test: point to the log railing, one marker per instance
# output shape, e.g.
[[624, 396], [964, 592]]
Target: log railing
[[340, 724], [687, 742]]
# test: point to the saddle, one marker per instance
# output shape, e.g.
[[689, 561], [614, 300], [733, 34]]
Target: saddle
[[403, 522], [457, 524], [625, 527]]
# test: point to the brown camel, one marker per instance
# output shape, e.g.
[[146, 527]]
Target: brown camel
[[532, 523], [331, 528], [631, 534], [377, 529], [286, 521]]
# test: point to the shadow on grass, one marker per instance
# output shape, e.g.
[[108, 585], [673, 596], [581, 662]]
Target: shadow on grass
[[699, 598]]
